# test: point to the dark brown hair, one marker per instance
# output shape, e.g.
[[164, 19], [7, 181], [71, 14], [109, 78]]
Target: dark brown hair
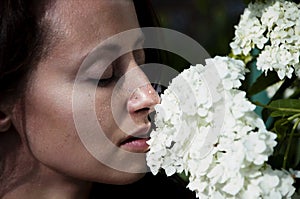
[[22, 37]]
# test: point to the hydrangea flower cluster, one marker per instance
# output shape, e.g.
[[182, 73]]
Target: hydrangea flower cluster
[[273, 27], [206, 128]]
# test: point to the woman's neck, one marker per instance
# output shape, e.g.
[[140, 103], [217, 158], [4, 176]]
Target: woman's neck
[[48, 184], [22, 176]]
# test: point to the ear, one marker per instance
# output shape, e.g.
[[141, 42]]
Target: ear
[[5, 122]]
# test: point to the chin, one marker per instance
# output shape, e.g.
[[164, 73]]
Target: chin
[[129, 178], [116, 178]]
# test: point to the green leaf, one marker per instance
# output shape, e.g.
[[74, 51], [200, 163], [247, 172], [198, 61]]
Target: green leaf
[[263, 82], [282, 113], [281, 108], [288, 105]]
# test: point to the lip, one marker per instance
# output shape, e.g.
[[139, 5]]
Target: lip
[[137, 141]]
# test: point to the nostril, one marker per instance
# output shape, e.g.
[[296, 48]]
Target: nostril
[[141, 113], [146, 109], [2, 115]]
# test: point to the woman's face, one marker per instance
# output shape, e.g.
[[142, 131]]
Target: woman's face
[[52, 101]]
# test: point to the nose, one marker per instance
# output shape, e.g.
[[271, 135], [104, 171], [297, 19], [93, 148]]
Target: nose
[[142, 100]]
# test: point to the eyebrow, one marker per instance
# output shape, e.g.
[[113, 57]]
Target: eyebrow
[[116, 47], [108, 47]]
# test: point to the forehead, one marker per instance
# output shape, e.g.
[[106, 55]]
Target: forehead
[[81, 25]]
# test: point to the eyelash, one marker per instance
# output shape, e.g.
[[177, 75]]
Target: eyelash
[[102, 82], [105, 82], [139, 58]]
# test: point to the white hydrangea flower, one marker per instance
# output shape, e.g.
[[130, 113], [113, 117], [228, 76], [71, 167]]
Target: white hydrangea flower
[[258, 146], [230, 72], [272, 27], [234, 166], [270, 184], [276, 58], [248, 33]]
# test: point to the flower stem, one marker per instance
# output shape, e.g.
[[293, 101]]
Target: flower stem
[[294, 117], [289, 144]]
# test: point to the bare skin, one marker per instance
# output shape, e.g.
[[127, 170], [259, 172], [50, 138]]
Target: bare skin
[[48, 159]]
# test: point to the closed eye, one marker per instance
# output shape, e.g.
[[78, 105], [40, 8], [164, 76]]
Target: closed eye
[[106, 78], [104, 82]]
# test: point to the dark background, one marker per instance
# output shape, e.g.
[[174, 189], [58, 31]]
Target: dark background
[[209, 22]]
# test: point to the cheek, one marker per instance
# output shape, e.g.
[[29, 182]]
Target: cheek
[[52, 132], [49, 124], [110, 112], [50, 127], [103, 110]]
